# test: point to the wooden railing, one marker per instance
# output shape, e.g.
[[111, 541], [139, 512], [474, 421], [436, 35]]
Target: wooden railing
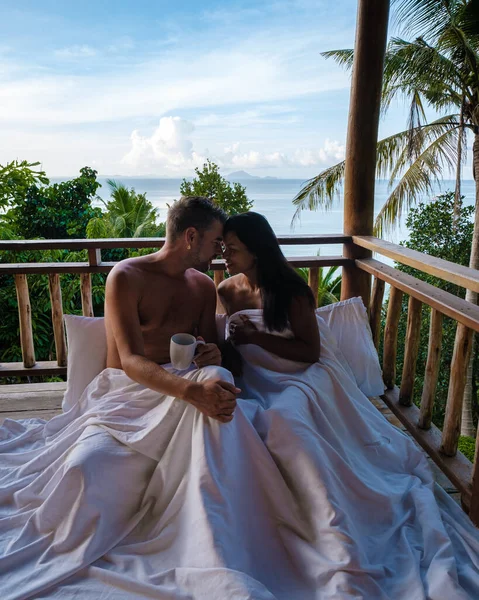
[[20, 271], [441, 446]]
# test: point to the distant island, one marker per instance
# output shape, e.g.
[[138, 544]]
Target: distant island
[[242, 175]]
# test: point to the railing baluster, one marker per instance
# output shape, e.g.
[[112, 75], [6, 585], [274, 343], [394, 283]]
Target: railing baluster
[[390, 337], [432, 369], [86, 296], [474, 507], [455, 393], [57, 318], [413, 334], [25, 316], [313, 282], [375, 309], [219, 276]]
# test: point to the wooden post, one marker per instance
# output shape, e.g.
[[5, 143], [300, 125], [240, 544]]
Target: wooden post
[[313, 282], [219, 276], [25, 316], [360, 170], [474, 508], [86, 297], [94, 256], [413, 335], [375, 309], [391, 337], [432, 370], [455, 393], [57, 318]]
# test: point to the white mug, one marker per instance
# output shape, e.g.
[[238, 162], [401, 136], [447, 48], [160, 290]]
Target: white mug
[[182, 350]]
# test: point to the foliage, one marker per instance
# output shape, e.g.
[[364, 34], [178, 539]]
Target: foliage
[[230, 197], [128, 215], [467, 446], [329, 284], [438, 69], [432, 232], [57, 211], [15, 179]]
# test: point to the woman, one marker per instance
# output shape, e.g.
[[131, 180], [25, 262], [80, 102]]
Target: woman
[[261, 278], [379, 526]]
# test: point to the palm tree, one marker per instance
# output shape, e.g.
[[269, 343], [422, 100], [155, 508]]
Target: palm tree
[[329, 284], [128, 214], [439, 69]]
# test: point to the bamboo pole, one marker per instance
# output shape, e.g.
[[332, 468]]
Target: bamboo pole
[[432, 370], [375, 309], [391, 336], [219, 276], [86, 296], [313, 282], [57, 318], [25, 317], [413, 334], [360, 167], [455, 394]]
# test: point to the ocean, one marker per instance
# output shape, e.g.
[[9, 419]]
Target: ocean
[[273, 198]]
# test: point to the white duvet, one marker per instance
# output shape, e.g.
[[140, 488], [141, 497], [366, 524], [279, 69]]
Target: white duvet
[[309, 493]]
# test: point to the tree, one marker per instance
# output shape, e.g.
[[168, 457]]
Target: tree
[[231, 198], [128, 214], [431, 232], [329, 284], [57, 211], [438, 69], [15, 179]]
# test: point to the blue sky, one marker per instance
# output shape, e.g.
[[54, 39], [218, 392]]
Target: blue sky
[[154, 88]]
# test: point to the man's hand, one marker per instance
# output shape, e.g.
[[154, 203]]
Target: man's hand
[[207, 354], [214, 398]]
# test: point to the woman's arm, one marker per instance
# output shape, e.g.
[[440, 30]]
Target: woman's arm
[[303, 347]]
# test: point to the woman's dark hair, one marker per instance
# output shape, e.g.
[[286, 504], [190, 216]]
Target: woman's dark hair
[[278, 282]]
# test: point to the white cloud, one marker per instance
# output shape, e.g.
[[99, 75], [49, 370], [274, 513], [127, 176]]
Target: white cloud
[[78, 51], [169, 150]]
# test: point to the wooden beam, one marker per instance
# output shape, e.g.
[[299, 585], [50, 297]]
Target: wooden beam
[[458, 468], [106, 267], [360, 170], [458, 309], [432, 370], [109, 243], [455, 394], [391, 337], [375, 309], [443, 269], [313, 282], [413, 334], [25, 317], [17, 369]]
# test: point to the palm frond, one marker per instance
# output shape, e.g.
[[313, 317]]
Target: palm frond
[[344, 58], [319, 191], [418, 179]]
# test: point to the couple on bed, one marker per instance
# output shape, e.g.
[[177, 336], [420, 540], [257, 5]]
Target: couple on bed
[[179, 485]]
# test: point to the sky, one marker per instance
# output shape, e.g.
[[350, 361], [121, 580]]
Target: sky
[[153, 88]]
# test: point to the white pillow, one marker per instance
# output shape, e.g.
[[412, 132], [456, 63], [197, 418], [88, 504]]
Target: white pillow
[[348, 320], [87, 352], [86, 340]]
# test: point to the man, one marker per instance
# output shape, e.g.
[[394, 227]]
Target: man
[[150, 298]]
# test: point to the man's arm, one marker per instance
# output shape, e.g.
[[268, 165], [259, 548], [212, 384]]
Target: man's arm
[[214, 398]]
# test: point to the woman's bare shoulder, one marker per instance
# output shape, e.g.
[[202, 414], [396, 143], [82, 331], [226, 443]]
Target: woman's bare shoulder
[[228, 286]]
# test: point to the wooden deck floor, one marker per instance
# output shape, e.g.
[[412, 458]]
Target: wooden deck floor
[[44, 401]]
